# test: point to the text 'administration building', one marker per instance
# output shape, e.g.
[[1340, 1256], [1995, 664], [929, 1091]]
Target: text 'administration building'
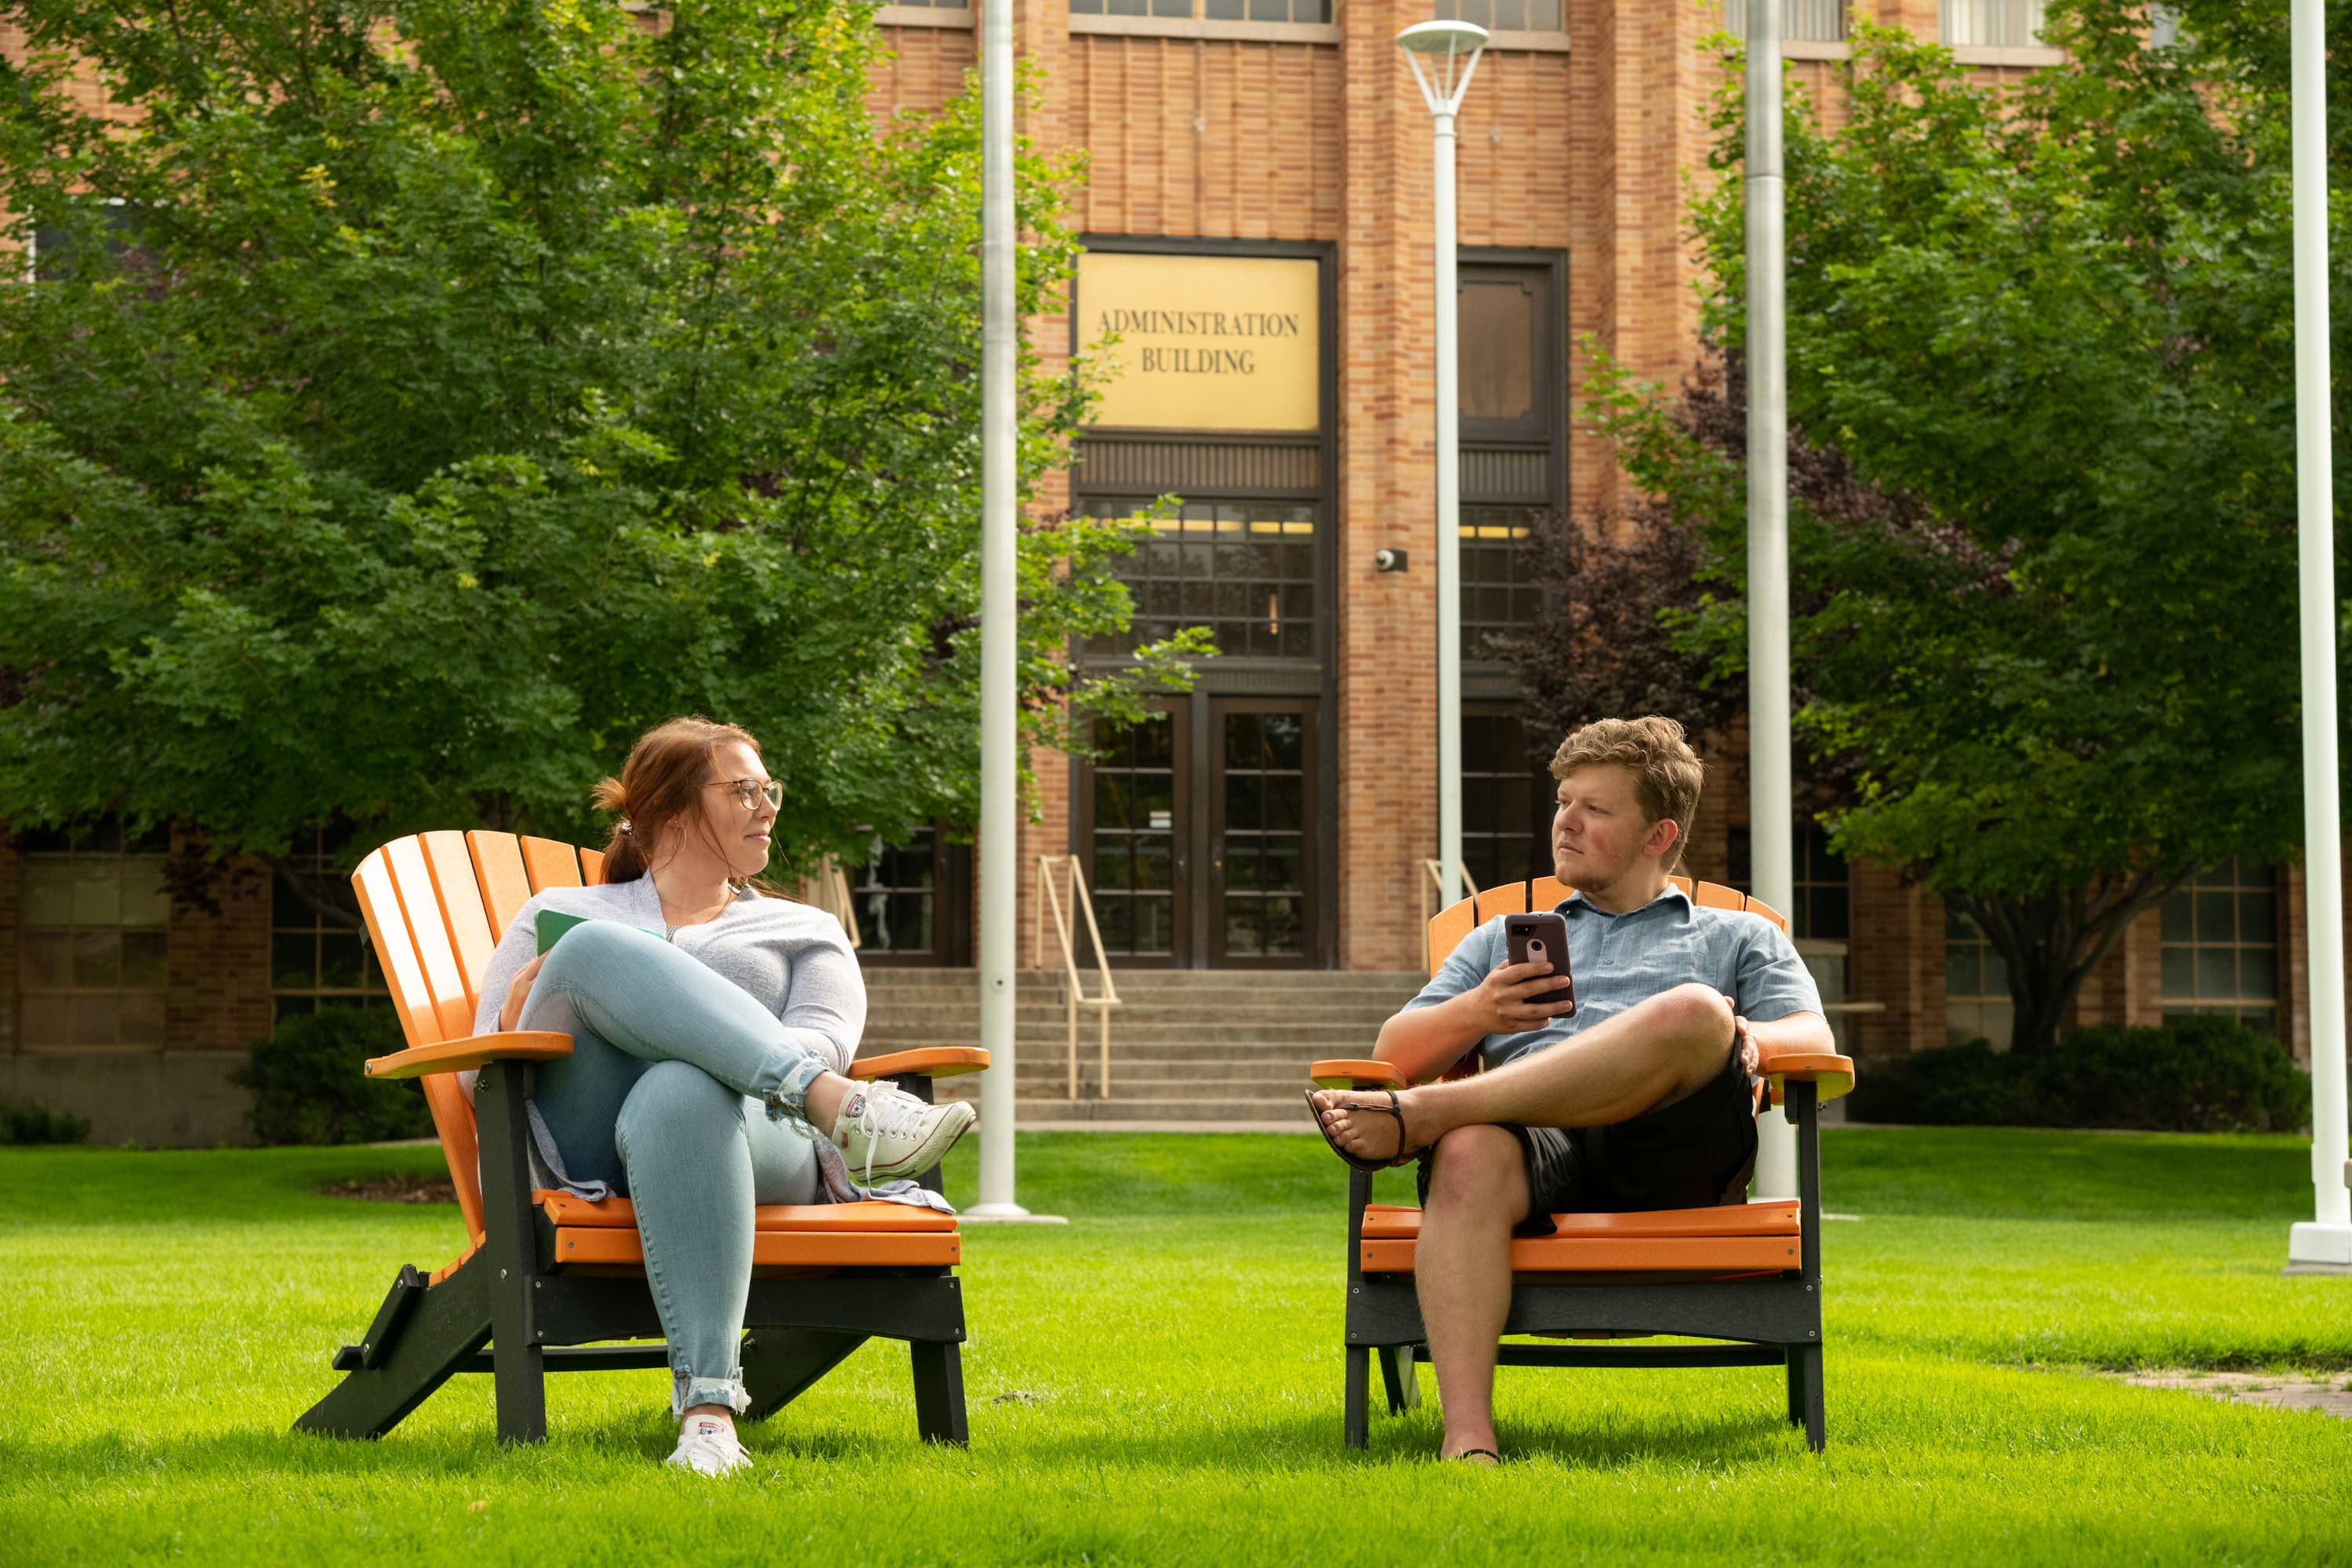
[[1258, 212]]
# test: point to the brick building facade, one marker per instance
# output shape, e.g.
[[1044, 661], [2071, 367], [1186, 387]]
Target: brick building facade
[[1280, 815]]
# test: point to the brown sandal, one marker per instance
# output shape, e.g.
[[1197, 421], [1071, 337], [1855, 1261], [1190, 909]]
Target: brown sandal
[[1391, 1108]]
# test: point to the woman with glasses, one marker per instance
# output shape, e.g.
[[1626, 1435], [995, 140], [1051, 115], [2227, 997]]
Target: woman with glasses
[[711, 1027]]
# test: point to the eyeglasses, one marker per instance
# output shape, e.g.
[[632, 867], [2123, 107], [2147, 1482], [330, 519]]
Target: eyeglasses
[[750, 792]]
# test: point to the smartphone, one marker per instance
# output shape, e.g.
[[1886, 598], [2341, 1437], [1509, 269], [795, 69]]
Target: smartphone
[[550, 925], [1542, 938]]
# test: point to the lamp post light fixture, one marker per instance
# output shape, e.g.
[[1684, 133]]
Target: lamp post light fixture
[[1443, 57]]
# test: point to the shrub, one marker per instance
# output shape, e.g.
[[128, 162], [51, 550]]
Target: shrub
[[22, 1121], [309, 1086], [1969, 1084], [2196, 1075]]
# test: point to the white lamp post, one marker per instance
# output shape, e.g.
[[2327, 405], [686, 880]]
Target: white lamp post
[[2325, 1243], [1771, 797], [1451, 50]]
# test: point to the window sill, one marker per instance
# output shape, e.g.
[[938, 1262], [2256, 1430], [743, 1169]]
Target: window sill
[[2025, 56], [1195, 27], [1527, 43], [922, 16]]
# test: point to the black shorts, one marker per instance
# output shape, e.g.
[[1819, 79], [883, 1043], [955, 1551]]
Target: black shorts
[[1695, 1153]]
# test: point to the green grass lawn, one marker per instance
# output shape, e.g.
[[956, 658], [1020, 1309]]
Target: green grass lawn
[[1159, 1382]]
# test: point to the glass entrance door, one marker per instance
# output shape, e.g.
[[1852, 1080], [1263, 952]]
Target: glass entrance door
[[1198, 828], [1129, 821], [1261, 838]]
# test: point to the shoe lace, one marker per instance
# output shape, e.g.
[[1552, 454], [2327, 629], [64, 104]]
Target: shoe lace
[[886, 1116], [723, 1449]]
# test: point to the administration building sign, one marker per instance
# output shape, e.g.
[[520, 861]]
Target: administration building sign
[[1204, 343]]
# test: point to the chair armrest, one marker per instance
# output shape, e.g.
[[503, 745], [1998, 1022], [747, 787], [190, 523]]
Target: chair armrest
[[1832, 1073], [477, 1050], [1349, 1072], [926, 1062]]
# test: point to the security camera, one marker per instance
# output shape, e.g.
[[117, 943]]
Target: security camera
[[1389, 560]]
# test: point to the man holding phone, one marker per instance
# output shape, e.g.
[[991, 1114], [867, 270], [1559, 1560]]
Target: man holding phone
[[1639, 1093]]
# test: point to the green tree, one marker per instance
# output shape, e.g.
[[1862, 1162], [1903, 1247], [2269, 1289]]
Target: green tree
[[415, 400], [2047, 327]]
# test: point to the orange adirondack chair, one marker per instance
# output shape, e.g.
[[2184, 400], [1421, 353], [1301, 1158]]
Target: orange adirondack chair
[[545, 1279], [1746, 1276]]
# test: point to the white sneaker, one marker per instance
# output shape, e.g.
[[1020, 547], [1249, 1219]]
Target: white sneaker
[[708, 1448], [883, 1132]]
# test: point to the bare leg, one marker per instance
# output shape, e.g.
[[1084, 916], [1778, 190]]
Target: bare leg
[[1652, 1054], [1462, 1271]]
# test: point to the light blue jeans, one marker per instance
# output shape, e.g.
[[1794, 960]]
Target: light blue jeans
[[665, 1096]]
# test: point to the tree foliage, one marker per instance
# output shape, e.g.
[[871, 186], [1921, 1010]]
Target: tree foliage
[[417, 400], [2048, 329]]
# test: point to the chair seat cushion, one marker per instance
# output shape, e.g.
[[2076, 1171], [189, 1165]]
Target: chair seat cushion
[[1737, 1238], [619, 1214], [784, 1236]]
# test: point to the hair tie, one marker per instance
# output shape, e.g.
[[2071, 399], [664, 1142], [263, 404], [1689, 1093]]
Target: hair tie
[[625, 828]]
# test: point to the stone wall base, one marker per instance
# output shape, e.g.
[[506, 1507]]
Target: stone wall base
[[177, 1100]]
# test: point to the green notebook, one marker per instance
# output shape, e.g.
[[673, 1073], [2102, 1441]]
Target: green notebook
[[551, 925]]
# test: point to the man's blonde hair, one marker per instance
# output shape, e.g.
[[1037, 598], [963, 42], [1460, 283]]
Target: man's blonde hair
[[1667, 771]]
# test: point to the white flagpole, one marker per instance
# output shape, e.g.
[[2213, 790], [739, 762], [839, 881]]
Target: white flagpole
[[1000, 629], [1771, 798], [2325, 1243]]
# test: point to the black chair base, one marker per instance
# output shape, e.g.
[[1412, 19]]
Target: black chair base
[[1766, 1322], [503, 1311]]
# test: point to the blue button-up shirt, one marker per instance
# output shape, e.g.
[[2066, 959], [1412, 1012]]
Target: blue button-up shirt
[[1619, 960]]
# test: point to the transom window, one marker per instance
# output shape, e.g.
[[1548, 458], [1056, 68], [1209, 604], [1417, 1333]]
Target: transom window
[[92, 973], [1244, 569], [1208, 10], [2219, 935]]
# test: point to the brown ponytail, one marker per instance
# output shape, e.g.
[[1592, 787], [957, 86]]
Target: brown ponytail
[[661, 783]]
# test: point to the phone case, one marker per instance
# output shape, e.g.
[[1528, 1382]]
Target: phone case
[[1550, 930]]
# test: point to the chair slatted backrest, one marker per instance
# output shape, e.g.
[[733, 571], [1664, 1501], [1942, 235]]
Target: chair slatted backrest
[[1451, 924], [435, 905]]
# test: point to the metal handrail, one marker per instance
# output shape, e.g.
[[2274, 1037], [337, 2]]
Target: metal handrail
[[1052, 869], [1433, 886]]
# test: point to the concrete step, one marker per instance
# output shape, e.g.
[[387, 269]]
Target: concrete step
[[1285, 1073], [1042, 1010], [1047, 1112], [1136, 1031], [1187, 1046], [968, 979]]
